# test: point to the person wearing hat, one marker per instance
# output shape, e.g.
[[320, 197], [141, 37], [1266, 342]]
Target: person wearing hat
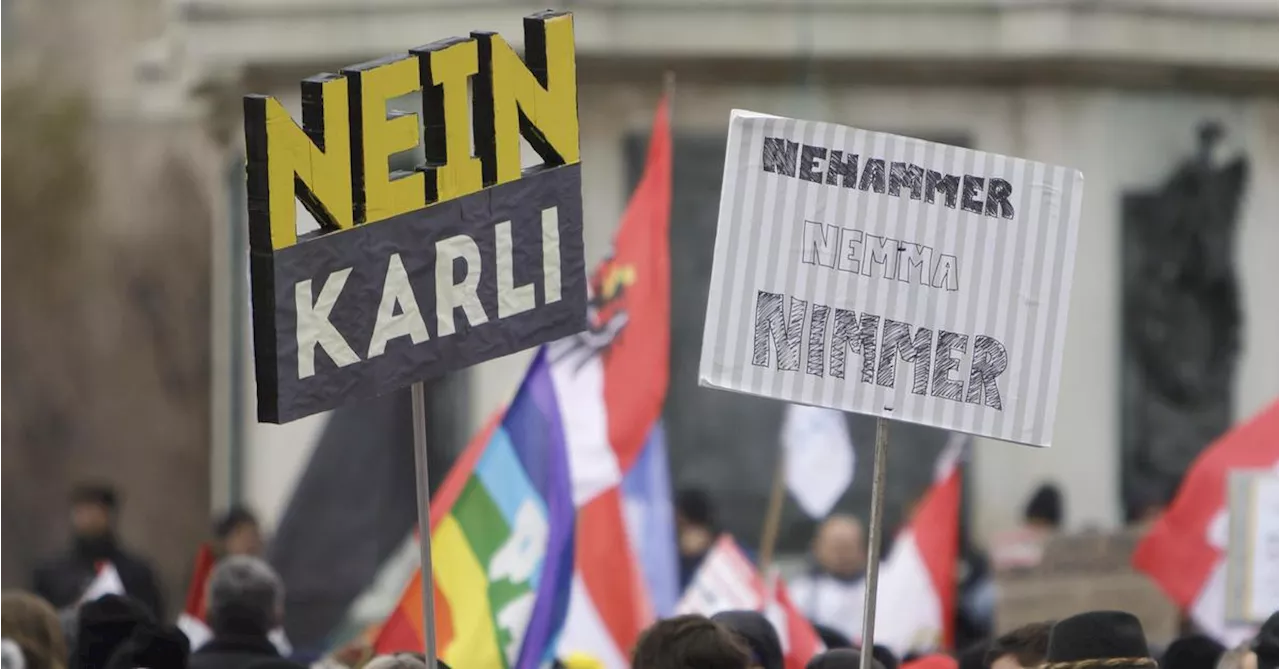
[[1098, 640]]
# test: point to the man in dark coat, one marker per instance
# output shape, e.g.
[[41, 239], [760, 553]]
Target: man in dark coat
[[245, 602], [63, 580]]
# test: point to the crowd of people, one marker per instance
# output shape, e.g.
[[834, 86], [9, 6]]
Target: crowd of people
[[63, 624], [1092, 640]]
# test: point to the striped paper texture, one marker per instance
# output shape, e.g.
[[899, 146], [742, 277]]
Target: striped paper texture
[[891, 276]]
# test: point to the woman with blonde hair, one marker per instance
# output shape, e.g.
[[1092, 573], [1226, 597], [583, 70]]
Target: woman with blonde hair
[[33, 625]]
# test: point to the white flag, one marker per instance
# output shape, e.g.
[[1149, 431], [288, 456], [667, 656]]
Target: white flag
[[106, 582], [819, 457]]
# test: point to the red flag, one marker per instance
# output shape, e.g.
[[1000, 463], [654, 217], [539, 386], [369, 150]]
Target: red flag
[[917, 588], [1178, 552], [191, 620], [637, 281], [615, 377], [199, 581]]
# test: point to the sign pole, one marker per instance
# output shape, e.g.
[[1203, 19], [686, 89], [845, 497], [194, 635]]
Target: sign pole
[[419, 398], [873, 541], [773, 515]]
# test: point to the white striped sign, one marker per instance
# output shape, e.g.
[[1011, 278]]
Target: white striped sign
[[891, 276]]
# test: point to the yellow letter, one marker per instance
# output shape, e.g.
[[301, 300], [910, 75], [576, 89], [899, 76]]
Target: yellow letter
[[545, 93], [278, 151], [451, 169], [375, 136]]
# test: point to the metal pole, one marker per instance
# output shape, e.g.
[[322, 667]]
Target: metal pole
[[873, 541], [424, 520]]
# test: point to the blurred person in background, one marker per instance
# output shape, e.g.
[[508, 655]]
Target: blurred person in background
[[94, 519], [1021, 648], [237, 532], [830, 591], [245, 603], [33, 625], [689, 642], [1023, 548], [1240, 657], [1195, 651], [695, 531]]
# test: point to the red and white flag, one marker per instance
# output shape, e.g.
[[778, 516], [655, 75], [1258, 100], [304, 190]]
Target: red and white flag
[[1185, 550], [916, 594], [106, 581], [615, 376], [191, 620], [727, 581]]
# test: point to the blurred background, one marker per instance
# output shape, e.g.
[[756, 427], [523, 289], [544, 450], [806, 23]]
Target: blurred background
[[126, 301]]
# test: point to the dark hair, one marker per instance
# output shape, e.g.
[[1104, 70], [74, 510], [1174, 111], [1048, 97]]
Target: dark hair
[[972, 657], [689, 642], [1046, 505], [695, 506], [1028, 644], [885, 656], [231, 519], [101, 494]]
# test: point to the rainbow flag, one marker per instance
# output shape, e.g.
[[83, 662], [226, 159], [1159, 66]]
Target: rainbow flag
[[501, 543]]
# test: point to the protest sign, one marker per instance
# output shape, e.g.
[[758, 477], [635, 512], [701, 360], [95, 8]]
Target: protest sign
[[414, 274], [891, 276], [1253, 546]]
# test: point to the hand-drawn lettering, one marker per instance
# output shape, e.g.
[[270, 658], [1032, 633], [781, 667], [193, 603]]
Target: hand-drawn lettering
[[908, 175], [849, 334], [811, 158], [843, 168], [944, 362], [873, 176], [989, 361], [785, 333], [779, 156], [815, 356], [895, 342]]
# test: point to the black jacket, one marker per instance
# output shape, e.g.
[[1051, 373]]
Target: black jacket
[[239, 652], [63, 579]]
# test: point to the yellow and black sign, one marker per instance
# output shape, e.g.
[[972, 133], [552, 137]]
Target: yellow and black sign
[[415, 273]]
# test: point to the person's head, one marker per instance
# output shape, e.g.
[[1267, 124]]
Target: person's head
[[758, 633], [104, 625], [1044, 509], [840, 658], [1023, 647], [1240, 657], [973, 656], [33, 625], [831, 637], [238, 533], [245, 597], [885, 657], [933, 661], [1196, 651], [839, 546], [1264, 645], [93, 510], [689, 642], [1083, 640], [695, 522]]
